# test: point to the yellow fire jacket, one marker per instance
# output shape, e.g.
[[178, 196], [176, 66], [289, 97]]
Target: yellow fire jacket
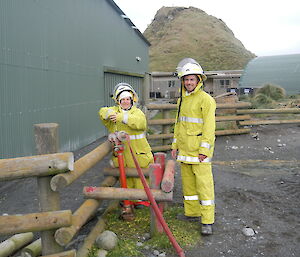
[[134, 123], [194, 131]]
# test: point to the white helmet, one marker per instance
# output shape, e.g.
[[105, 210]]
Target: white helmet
[[121, 87], [189, 66]]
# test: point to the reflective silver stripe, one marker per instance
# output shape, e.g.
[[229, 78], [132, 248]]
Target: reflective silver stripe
[[187, 158], [205, 145], [132, 137], [125, 118], [191, 159], [174, 140], [207, 202], [190, 119], [191, 197]]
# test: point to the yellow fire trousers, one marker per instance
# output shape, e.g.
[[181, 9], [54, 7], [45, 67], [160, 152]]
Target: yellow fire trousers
[[198, 191]]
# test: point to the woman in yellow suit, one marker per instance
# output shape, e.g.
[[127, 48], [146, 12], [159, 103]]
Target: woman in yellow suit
[[125, 116], [193, 145]]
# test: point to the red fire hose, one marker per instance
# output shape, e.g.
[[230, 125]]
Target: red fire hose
[[154, 204]]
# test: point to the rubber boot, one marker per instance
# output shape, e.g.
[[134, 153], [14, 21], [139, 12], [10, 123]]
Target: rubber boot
[[127, 213], [206, 229]]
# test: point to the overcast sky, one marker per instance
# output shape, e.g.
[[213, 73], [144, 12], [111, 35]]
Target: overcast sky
[[265, 27]]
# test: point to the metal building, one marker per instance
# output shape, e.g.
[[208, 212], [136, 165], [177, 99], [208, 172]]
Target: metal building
[[59, 61], [281, 70]]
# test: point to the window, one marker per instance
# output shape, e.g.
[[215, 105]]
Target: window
[[171, 83]]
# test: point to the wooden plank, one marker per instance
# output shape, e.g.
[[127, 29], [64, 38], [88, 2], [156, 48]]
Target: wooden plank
[[161, 122], [233, 117], [267, 111], [267, 122], [219, 106]]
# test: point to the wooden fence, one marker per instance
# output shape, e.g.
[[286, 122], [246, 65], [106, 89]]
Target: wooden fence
[[236, 118], [55, 171]]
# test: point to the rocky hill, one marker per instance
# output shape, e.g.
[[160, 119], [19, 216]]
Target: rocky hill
[[179, 32]]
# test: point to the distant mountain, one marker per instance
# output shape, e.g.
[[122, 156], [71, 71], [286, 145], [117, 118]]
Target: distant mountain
[[179, 32]]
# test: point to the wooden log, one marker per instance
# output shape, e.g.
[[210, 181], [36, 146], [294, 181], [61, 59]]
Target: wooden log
[[14, 243], [233, 117], [32, 250], [34, 222], [232, 132], [233, 105], [161, 122], [96, 231], [161, 148], [166, 128], [161, 106], [82, 165], [46, 140], [130, 172], [124, 193], [64, 235], [218, 118], [267, 111], [267, 122], [70, 253], [34, 166], [218, 133], [156, 175], [167, 183], [160, 136]]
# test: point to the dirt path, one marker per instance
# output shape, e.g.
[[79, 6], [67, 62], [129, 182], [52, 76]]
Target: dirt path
[[263, 195]]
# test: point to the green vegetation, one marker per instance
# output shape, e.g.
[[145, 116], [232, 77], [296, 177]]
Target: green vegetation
[[268, 96], [179, 32], [130, 232]]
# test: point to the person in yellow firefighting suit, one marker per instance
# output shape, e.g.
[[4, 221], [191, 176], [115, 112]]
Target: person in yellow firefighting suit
[[193, 145], [125, 116]]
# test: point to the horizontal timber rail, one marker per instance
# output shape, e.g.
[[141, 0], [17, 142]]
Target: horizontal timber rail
[[266, 111], [34, 222], [219, 106], [218, 118], [125, 193], [236, 121], [35, 166]]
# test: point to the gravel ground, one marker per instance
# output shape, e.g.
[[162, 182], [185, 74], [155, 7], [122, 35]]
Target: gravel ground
[[262, 195]]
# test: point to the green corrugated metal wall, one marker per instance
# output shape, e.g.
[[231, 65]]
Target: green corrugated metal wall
[[282, 70], [52, 60]]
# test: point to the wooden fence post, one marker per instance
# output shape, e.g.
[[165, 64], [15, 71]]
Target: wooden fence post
[[46, 140], [166, 128]]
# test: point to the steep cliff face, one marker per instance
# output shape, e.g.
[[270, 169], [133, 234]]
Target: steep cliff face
[[179, 32]]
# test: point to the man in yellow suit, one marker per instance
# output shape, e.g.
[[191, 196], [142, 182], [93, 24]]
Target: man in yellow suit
[[193, 145], [125, 116]]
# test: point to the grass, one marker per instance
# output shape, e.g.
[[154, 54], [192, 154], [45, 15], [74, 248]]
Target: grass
[[130, 232]]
